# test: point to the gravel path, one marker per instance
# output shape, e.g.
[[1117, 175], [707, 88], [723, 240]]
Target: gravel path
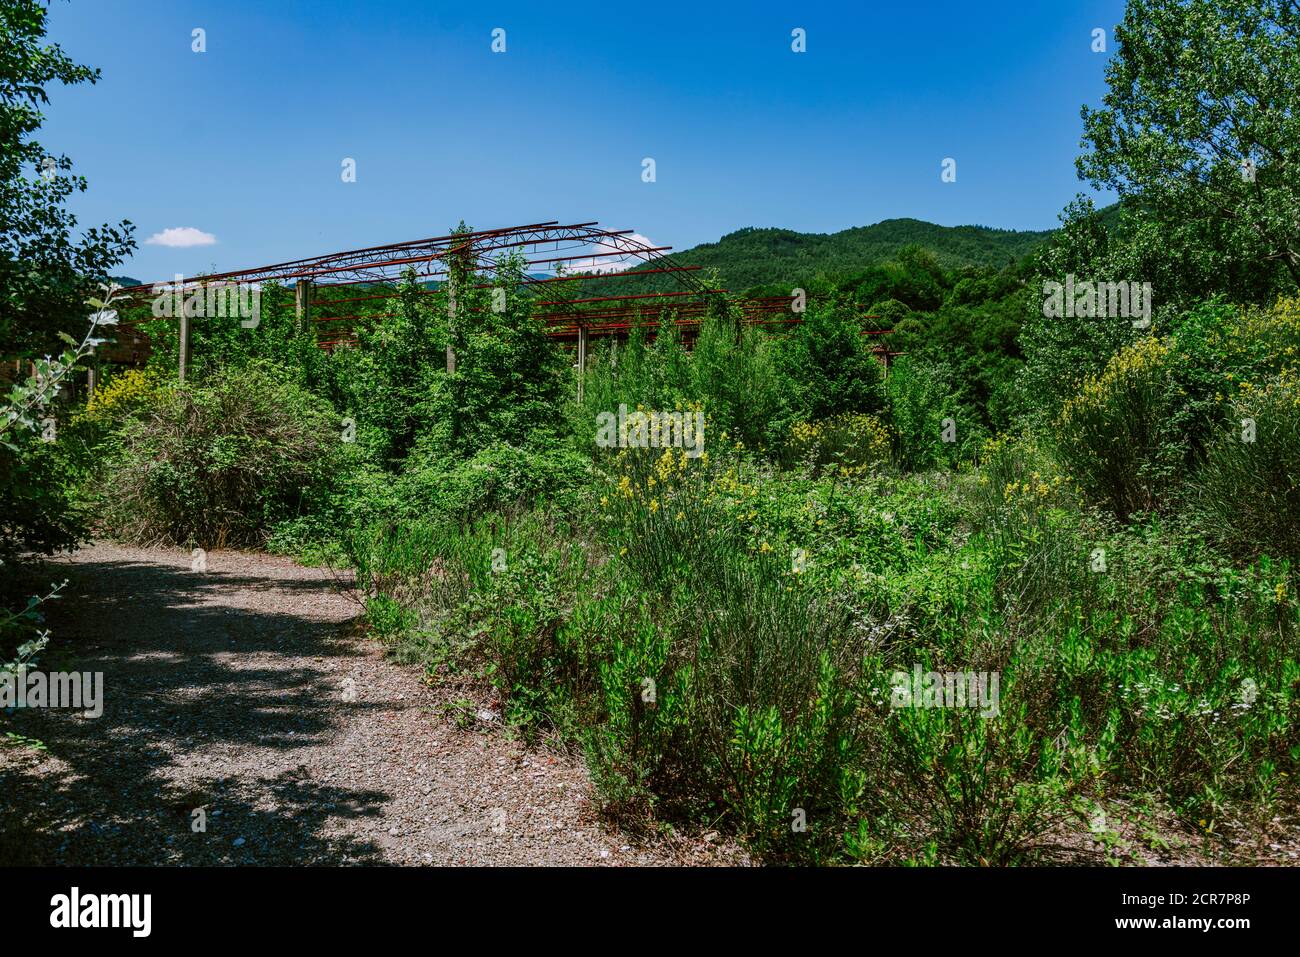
[[249, 692]]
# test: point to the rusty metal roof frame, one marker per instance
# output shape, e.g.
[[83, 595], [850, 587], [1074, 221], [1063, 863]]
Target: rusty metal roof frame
[[598, 254]]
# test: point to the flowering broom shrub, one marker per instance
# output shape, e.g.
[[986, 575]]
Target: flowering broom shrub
[[848, 444], [1116, 438]]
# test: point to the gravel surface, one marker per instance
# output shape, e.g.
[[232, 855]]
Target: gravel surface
[[247, 692]]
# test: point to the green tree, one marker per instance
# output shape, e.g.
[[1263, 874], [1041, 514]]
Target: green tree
[[1201, 126], [46, 273], [1061, 353], [46, 279], [830, 366], [385, 382], [509, 380]]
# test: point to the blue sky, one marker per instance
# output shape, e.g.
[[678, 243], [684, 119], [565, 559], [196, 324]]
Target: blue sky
[[245, 141]]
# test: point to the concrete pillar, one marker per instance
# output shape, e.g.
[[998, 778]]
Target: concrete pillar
[[451, 319], [302, 305], [183, 364], [582, 359]]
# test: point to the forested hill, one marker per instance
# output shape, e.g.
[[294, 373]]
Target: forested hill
[[761, 256]]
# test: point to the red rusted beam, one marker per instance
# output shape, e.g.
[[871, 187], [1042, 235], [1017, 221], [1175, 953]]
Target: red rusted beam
[[302, 268], [639, 295]]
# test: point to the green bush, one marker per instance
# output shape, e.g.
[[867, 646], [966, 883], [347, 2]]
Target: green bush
[[754, 674], [1250, 484], [1117, 438], [716, 681], [925, 412], [501, 477], [965, 787], [844, 445], [1193, 664], [37, 511], [829, 366], [509, 379], [731, 375], [219, 464], [740, 700]]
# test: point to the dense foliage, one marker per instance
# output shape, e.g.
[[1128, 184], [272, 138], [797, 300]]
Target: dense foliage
[[753, 258], [46, 272], [50, 281], [1095, 516]]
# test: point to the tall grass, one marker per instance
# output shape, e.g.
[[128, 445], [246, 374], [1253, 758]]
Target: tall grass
[[1250, 485]]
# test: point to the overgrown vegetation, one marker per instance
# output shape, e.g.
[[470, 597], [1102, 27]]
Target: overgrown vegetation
[[49, 280], [1099, 517]]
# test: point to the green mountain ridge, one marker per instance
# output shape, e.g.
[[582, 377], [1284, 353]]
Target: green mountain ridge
[[763, 256]]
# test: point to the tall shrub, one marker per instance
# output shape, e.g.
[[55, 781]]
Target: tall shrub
[[217, 464]]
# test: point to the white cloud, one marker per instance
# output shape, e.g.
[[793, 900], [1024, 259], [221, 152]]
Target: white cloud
[[179, 237], [610, 263]]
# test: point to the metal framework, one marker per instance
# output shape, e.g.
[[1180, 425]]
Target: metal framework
[[551, 252]]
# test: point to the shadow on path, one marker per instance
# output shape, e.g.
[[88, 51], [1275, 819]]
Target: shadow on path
[[217, 686]]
